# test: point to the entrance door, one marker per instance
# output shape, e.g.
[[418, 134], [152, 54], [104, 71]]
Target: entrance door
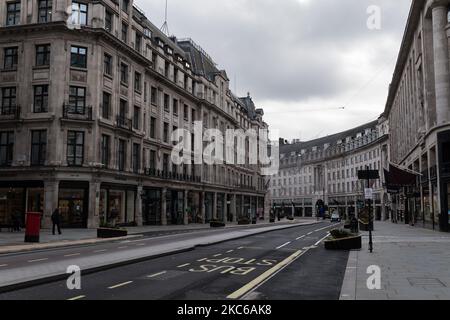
[[73, 208]]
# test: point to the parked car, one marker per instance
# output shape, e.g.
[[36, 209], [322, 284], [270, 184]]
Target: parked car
[[335, 217]]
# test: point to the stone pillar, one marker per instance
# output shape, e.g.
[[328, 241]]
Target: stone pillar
[[441, 62], [346, 207], [233, 207], [51, 193], [202, 207], [185, 208], [94, 205], [214, 213], [138, 206], [164, 207], [225, 208], [242, 213]]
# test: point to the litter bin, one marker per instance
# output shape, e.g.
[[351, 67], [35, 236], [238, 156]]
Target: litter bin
[[33, 227]]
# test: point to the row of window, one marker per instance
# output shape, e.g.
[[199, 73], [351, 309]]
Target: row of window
[[38, 147], [77, 100]]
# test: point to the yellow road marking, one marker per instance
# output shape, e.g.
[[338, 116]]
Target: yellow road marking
[[120, 285], [266, 275], [76, 298]]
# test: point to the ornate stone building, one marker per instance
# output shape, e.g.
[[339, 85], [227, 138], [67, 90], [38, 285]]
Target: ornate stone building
[[326, 169], [418, 110], [90, 93]]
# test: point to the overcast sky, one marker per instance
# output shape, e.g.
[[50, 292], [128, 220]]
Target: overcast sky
[[301, 60]]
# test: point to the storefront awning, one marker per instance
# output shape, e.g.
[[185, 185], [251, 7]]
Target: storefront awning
[[397, 178]]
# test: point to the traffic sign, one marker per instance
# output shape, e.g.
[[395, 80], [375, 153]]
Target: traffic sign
[[368, 194]]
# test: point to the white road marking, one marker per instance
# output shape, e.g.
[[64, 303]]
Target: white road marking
[[76, 298], [326, 227], [184, 265], [309, 233], [240, 248], [141, 244], [120, 248], [120, 285], [217, 255], [37, 260], [283, 245], [157, 274], [230, 251], [72, 255], [3, 265], [300, 237], [98, 251], [318, 242]]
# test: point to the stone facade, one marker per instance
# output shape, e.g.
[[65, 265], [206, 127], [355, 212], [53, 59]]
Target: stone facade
[[327, 169], [89, 100], [418, 111]]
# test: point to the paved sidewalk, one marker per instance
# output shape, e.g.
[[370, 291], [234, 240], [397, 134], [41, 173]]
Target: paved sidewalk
[[14, 242], [414, 265]]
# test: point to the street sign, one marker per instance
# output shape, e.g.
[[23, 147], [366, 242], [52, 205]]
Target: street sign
[[368, 194], [368, 175]]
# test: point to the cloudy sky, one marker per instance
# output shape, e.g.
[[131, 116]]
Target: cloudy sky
[[301, 60]]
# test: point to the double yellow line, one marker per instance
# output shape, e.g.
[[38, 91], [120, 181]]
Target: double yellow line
[[266, 275]]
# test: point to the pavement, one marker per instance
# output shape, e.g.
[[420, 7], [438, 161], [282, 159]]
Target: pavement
[[34, 267], [414, 264], [288, 261], [11, 242]]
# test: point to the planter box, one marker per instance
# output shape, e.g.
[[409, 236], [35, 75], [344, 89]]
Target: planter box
[[363, 226], [244, 222], [349, 243], [106, 233], [272, 220], [217, 224]]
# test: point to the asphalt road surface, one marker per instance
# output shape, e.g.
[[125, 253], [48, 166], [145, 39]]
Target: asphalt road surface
[[284, 264]]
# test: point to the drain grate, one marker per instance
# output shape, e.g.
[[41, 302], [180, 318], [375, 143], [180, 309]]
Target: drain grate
[[426, 282]]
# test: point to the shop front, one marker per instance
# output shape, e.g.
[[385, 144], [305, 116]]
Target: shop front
[[17, 198], [117, 205], [209, 202], [193, 210], [73, 204], [151, 207], [174, 207]]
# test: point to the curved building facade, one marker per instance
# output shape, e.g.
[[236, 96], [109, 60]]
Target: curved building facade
[[326, 169]]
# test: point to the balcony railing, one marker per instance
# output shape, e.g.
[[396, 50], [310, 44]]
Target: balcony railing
[[171, 176], [10, 113], [124, 123], [70, 112]]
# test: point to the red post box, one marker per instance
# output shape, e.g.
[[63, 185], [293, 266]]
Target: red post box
[[33, 227]]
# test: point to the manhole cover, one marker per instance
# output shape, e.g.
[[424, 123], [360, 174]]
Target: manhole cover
[[425, 282]]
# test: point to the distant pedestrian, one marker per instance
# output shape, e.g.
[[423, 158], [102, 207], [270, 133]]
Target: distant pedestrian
[[56, 220], [16, 221]]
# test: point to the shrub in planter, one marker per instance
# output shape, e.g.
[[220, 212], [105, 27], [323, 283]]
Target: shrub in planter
[[216, 224], [106, 233], [343, 240], [243, 221]]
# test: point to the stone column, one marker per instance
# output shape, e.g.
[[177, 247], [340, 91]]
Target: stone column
[[138, 206], [185, 207], [94, 205], [242, 213], [214, 213], [51, 193], [164, 207], [233, 208], [202, 207], [225, 208], [441, 61]]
